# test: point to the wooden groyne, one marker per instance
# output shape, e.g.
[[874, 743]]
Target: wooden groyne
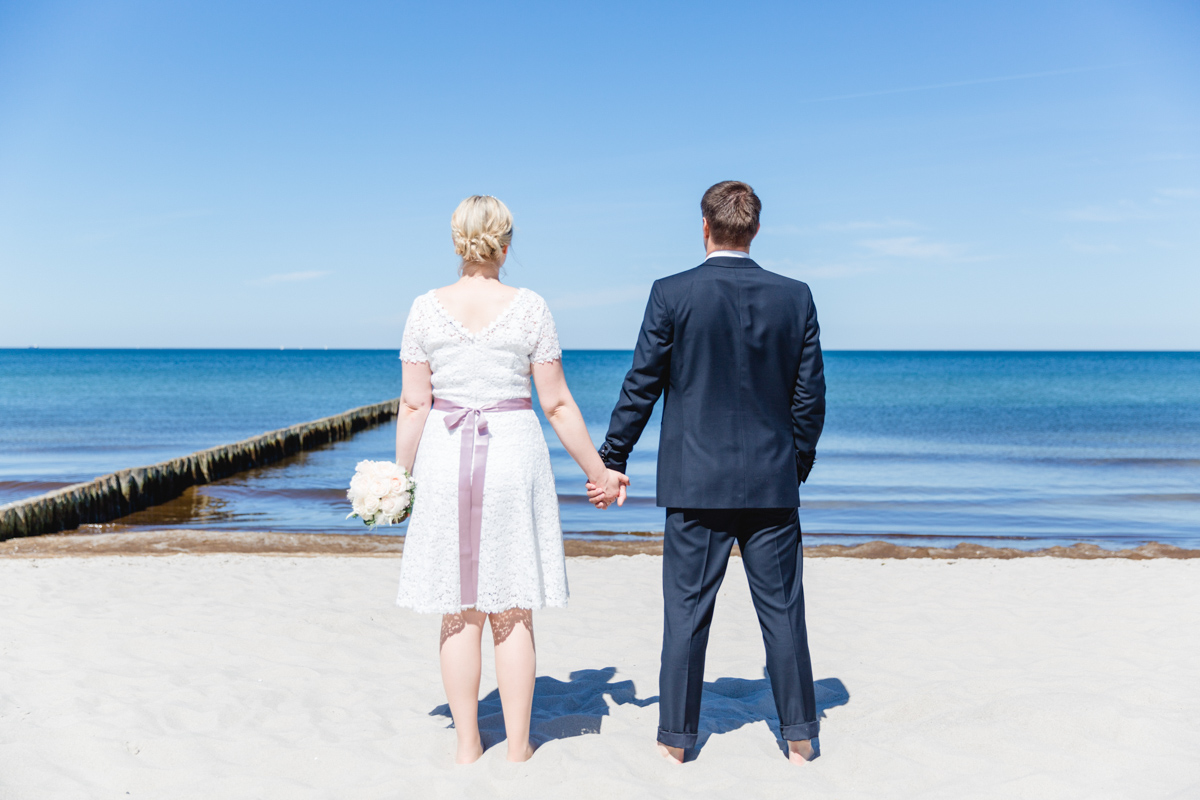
[[111, 496]]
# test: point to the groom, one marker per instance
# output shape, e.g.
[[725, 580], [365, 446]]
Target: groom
[[736, 352]]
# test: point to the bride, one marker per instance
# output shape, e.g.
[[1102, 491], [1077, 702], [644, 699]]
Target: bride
[[484, 541]]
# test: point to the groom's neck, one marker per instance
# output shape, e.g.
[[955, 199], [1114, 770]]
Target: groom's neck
[[711, 247]]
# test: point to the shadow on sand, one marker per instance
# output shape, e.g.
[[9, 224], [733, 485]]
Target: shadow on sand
[[575, 707], [561, 709], [730, 703]]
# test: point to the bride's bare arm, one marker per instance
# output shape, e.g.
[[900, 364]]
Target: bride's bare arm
[[415, 399], [561, 410]]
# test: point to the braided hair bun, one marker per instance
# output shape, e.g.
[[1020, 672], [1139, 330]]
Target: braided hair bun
[[482, 227]]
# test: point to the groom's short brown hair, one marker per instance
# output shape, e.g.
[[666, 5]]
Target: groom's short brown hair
[[731, 208]]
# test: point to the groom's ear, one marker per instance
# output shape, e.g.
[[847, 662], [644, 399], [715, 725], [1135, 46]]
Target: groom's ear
[[704, 223]]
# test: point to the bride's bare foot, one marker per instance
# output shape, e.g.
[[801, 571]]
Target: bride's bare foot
[[801, 752], [672, 754], [519, 756], [469, 752]]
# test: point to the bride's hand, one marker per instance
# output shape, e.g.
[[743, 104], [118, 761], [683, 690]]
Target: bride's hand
[[602, 492]]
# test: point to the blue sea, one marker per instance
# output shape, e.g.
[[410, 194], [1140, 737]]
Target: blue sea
[[1020, 449]]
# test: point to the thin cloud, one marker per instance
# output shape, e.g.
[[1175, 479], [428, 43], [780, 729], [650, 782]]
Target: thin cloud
[[867, 225], [829, 271], [955, 84], [1152, 208], [804, 272], [853, 225], [133, 225], [291, 277], [1122, 212], [910, 247], [784, 230], [600, 297], [1168, 157], [1091, 248]]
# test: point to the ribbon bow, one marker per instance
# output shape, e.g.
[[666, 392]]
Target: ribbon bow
[[472, 466]]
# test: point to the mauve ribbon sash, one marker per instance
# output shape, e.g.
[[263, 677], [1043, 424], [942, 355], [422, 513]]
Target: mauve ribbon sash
[[472, 461]]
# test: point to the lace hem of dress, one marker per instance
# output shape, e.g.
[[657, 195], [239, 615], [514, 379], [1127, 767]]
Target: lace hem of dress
[[486, 608]]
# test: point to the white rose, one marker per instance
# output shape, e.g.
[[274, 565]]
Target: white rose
[[371, 505]]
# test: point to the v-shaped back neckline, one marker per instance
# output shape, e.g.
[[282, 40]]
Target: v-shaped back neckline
[[463, 329]]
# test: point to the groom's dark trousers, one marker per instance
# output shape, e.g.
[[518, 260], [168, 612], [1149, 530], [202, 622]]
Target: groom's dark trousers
[[735, 352]]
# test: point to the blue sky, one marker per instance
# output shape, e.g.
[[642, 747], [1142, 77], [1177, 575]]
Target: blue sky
[[948, 175]]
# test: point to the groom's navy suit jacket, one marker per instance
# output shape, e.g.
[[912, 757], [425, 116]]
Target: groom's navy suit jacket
[[736, 352]]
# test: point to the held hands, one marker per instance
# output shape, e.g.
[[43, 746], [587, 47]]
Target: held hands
[[608, 488]]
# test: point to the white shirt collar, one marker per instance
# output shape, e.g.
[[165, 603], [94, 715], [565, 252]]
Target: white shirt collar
[[727, 254]]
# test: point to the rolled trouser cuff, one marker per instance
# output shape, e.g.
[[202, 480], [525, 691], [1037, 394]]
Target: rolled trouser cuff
[[673, 739], [799, 732]]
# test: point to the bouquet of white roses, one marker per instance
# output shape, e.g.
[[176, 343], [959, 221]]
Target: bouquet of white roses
[[381, 493]]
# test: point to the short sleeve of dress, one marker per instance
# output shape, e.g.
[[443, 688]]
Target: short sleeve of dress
[[546, 348], [412, 346]]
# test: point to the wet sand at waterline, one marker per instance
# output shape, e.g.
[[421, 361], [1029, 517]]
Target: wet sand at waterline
[[238, 675], [602, 543]]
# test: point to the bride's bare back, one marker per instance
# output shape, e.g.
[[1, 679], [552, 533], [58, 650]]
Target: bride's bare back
[[476, 300]]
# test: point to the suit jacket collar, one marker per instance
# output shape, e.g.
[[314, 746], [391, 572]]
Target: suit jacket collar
[[729, 261]]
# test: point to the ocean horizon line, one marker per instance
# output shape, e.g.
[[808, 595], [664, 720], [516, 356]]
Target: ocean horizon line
[[964, 351]]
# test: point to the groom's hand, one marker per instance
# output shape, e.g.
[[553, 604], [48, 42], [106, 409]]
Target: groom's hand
[[611, 487]]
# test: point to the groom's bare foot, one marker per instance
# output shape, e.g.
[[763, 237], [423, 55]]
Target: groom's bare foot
[[519, 756], [672, 754], [469, 752], [801, 752]]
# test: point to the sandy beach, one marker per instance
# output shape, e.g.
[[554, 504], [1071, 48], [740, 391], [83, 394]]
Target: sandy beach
[[252, 676]]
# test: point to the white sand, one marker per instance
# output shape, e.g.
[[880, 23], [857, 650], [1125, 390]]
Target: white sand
[[275, 677]]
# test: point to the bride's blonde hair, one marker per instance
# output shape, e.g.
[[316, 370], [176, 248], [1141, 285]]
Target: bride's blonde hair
[[482, 227]]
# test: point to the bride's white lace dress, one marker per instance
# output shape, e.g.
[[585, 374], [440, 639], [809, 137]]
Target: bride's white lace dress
[[521, 562]]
